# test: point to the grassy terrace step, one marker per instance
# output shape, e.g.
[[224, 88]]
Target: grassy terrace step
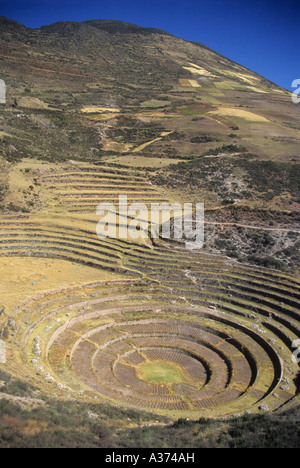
[[160, 258], [75, 299], [266, 276], [105, 265], [100, 261], [107, 167], [94, 203], [58, 253], [94, 178], [114, 244], [239, 307], [270, 295], [113, 194], [186, 288], [91, 208], [201, 257], [240, 310], [69, 203], [106, 187], [255, 302], [279, 333], [44, 237], [257, 297], [64, 235], [118, 245], [228, 332], [45, 241], [259, 272], [209, 276], [102, 171], [249, 277], [76, 296]]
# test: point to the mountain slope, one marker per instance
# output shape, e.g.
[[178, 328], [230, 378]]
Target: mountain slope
[[108, 91], [100, 109]]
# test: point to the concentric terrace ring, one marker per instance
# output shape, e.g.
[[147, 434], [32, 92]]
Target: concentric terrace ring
[[134, 343]]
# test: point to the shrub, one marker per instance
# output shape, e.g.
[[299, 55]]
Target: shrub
[[267, 262], [203, 139]]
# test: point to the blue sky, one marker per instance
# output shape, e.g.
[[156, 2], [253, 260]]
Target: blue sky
[[259, 34]]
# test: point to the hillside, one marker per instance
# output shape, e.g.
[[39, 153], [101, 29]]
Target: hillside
[[143, 330]]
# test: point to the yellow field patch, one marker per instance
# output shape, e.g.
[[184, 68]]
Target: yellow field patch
[[194, 84], [280, 91], [257, 90], [32, 103], [225, 73], [210, 99], [199, 71], [248, 78], [184, 82], [223, 85], [22, 278], [118, 147], [194, 65], [95, 110], [101, 117], [142, 161], [144, 145], [155, 103], [233, 112], [4, 134], [153, 115], [18, 183], [234, 85]]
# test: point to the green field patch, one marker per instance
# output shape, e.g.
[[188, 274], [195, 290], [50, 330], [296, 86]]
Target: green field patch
[[155, 103], [223, 85], [187, 111], [161, 372]]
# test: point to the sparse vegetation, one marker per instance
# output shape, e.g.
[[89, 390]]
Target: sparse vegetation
[[73, 425]]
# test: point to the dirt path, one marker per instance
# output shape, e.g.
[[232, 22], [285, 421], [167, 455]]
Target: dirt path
[[141, 147], [246, 226], [2, 352]]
